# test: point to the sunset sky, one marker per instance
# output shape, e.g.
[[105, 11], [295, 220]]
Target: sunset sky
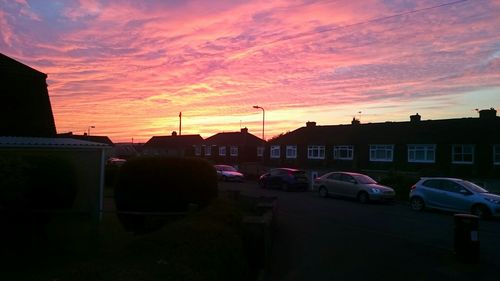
[[129, 67]]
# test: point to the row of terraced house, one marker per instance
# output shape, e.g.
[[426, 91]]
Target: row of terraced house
[[468, 147]]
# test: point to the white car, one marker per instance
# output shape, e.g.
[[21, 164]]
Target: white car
[[228, 173], [456, 195], [353, 185]]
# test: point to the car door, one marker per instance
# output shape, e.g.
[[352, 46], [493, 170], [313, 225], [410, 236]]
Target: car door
[[349, 186], [433, 192], [274, 179], [333, 183], [455, 196]]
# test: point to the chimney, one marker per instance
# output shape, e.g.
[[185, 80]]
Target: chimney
[[487, 113], [310, 124], [415, 118], [244, 130], [174, 134], [355, 121]]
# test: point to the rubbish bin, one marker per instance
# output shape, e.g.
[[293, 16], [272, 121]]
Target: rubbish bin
[[466, 238]]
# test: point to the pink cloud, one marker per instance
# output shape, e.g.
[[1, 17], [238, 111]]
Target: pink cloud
[[129, 67]]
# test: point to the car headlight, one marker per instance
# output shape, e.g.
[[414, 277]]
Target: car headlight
[[375, 190], [494, 201]]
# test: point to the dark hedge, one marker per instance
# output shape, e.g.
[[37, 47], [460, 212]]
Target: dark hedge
[[162, 184]]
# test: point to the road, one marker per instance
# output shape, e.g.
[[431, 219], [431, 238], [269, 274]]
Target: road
[[338, 239]]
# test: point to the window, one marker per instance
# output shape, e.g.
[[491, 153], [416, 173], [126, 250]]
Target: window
[[316, 152], [260, 151], [208, 150], [462, 153], [496, 154], [431, 183], [335, 176], [233, 150], [444, 185], [343, 152], [275, 151], [381, 152], [291, 151], [222, 151], [421, 153], [347, 178], [197, 150]]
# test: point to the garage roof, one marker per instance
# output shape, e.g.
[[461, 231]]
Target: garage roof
[[34, 142]]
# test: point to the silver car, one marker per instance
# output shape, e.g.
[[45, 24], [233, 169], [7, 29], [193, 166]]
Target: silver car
[[454, 195], [228, 173], [353, 185]]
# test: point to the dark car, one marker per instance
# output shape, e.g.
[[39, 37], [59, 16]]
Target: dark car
[[285, 179]]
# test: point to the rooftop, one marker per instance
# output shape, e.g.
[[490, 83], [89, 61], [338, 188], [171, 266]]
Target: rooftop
[[34, 142]]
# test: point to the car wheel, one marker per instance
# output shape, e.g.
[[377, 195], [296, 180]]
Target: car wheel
[[323, 192], [417, 204], [224, 178], [363, 197], [480, 210], [285, 186]]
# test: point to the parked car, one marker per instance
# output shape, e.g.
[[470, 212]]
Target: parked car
[[228, 173], [116, 161], [353, 185], [285, 179], [454, 195]]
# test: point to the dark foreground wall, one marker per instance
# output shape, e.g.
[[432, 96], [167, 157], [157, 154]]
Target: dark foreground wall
[[26, 109]]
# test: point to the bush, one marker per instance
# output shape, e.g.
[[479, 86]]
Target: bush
[[401, 183], [154, 184], [205, 246]]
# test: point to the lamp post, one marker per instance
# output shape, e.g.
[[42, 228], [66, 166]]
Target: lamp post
[[88, 130], [263, 118]]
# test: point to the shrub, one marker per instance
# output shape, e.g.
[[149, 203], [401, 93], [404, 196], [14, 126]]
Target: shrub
[[401, 183], [207, 245], [160, 184]]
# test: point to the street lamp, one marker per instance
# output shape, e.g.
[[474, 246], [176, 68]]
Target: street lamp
[[263, 118], [88, 130]]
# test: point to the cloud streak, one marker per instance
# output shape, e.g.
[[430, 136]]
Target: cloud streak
[[129, 67]]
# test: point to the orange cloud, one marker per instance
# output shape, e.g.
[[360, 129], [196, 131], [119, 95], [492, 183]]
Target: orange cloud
[[129, 68]]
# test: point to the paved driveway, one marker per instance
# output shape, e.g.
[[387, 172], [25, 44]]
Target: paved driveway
[[338, 239]]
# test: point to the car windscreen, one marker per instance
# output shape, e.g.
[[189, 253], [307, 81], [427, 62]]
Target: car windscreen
[[362, 179], [226, 168], [474, 187]]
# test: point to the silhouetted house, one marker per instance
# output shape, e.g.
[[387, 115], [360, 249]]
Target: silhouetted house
[[26, 109], [468, 147], [232, 148], [174, 145], [127, 150]]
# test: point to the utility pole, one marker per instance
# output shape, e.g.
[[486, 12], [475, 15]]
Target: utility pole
[[180, 123]]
